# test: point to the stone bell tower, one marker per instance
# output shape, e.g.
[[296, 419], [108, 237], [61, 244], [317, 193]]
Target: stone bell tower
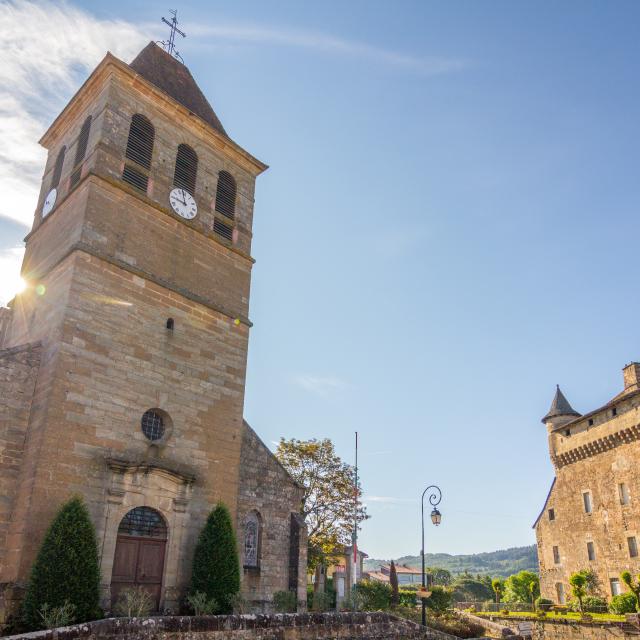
[[128, 350]]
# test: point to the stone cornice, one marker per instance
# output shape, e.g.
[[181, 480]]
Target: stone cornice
[[599, 445], [122, 466]]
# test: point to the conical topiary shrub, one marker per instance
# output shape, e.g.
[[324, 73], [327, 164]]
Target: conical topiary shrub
[[66, 569], [216, 569]]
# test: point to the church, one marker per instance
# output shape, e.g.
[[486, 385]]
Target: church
[[123, 364]]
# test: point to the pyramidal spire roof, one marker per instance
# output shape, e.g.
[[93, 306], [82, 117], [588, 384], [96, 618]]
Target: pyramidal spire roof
[[560, 407], [168, 74]]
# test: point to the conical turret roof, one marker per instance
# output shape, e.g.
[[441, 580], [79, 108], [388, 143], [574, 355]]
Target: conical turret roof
[[560, 407], [171, 76]]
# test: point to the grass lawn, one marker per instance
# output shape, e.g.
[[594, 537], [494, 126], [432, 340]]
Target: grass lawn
[[570, 615]]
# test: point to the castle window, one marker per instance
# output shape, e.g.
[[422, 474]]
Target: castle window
[[552, 514], [633, 547], [139, 150], [567, 432], [586, 499], [169, 324], [623, 492], [560, 592], [153, 425], [591, 551], [226, 195], [614, 411], [614, 583], [591, 422], [184, 175], [57, 169], [556, 555], [252, 535]]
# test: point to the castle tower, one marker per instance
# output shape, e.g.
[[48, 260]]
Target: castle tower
[[559, 414], [127, 354]]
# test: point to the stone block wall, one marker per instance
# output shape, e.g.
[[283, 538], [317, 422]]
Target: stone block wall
[[319, 626], [266, 489]]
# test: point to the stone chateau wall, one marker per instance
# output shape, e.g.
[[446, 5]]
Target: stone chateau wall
[[562, 629], [305, 626]]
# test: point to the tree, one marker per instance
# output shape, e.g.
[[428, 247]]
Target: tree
[[517, 588], [439, 576], [534, 592], [593, 585], [216, 568], [578, 583], [393, 581], [467, 588], [329, 501], [66, 569], [498, 588], [634, 586]]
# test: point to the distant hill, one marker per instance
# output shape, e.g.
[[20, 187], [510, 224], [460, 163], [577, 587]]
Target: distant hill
[[495, 563]]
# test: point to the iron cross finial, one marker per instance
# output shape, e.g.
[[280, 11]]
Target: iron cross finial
[[170, 44]]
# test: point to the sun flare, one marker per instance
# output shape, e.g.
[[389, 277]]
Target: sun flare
[[11, 283]]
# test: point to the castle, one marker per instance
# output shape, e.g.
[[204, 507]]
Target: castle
[[591, 517], [122, 366]]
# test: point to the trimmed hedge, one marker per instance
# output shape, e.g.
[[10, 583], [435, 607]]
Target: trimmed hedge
[[216, 567], [624, 603], [66, 569]]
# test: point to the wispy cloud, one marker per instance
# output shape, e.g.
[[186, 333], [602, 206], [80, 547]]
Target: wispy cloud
[[48, 49], [10, 261], [324, 43], [321, 386]]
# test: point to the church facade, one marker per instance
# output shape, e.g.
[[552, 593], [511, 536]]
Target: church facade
[[591, 517], [122, 366]]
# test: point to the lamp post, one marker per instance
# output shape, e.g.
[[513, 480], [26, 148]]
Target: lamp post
[[434, 499]]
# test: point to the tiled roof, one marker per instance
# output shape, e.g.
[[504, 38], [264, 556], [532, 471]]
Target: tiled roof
[[171, 76], [404, 569], [377, 575], [560, 407]]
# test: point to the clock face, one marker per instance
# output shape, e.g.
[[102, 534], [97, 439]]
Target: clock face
[[49, 202], [183, 203]]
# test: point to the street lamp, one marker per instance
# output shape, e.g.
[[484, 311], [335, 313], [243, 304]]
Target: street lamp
[[434, 500]]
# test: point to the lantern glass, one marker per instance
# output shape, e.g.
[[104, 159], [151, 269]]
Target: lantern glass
[[436, 517]]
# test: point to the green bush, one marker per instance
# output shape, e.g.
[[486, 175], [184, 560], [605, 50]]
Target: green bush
[[285, 602], [373, 596], [201, 605], [543, 604], [134, 602], [440, 599], [216, 568], [407, 597], [66, 569], [590, 604], [624, 603]]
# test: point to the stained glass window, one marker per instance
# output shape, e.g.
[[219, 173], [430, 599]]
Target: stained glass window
[[251, 539]]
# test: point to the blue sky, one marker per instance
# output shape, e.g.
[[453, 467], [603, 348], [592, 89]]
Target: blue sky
[[447, 230]]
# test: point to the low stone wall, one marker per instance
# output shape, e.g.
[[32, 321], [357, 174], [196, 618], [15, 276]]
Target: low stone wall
[[562, 629], [288, 626]]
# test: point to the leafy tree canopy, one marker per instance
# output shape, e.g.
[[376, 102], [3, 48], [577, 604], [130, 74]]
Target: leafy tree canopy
[[328, 502], [521, 587]]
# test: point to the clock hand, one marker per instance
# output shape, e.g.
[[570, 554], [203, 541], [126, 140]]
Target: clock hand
[[184, 197]]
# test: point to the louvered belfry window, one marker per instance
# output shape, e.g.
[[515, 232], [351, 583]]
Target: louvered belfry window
[[226, 195], [57, 169], [81, 151], [139, 150], [184, 176]]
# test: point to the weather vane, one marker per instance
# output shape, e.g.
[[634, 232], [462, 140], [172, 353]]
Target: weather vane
[[170, 45]]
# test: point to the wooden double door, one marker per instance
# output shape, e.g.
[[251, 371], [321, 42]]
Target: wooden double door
[[138, 562]]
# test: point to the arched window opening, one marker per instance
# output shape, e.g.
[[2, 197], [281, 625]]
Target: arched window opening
[[184, 176], [226, 195], [223, 229], [57, 169], [143, 522], [139, 150], [81, 151], [251, 547]]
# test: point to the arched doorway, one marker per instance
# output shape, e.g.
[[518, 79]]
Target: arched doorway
[[139, 555]]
